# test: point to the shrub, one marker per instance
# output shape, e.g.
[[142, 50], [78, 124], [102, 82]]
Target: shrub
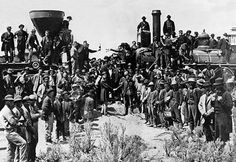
[[115, 146], [54, 153], [187, 147]]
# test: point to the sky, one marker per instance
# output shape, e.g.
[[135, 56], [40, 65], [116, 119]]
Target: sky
[[110, 22]]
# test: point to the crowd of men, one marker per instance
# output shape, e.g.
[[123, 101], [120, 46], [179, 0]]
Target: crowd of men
[[166, 96], [176, 49]]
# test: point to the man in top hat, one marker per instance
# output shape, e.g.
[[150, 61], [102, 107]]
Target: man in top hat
[[11, 123], [7, 39], [207, 111], [22, 37], [169, 26], [144, 25], [47, 114], [223, 104], [32, 43]]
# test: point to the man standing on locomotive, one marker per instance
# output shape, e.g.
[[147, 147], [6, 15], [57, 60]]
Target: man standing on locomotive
[[21, 42], [32, 43], [224, 45], [169, 26], [144, 25], [47, 45], [7, 39]]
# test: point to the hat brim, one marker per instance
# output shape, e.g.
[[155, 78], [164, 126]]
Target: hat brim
[[18, 100], [206, 85], [9, 99], [218, 84]]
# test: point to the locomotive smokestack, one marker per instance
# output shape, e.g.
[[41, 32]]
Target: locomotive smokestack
[[156, 14]]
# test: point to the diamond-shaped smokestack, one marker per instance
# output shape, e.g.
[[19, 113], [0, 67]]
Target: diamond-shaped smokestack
[[47, 20]]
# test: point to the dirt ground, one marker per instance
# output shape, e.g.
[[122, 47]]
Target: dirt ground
[[134, 126]]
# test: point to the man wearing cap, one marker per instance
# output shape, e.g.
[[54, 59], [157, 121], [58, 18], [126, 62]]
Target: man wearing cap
[[10, 123], [9, 82], [7, 39], [175, 102], [35, 115], [151, 105], [47, 114], [208, 72], [144, 25], [192, 101], [123, 84], [60, 117], [30, 130], [37, 80], [41, 92], [65, 23], [223, 104], [207, 111], [145, 91], [22, 131], [169, 26], [21, 36], [32, 43]]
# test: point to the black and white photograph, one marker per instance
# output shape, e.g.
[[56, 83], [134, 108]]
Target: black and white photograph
[[117, 81]]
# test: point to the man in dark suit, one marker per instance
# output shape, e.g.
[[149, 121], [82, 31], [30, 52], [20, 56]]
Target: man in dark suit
[[86, 50], [48, 109], [143, 25], [21, 42], [169, 26], [224, 45], [7, 39], [47, 45], [222, 104], [212, 42]]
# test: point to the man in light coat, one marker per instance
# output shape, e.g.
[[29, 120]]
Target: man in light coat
[[207, 111]]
